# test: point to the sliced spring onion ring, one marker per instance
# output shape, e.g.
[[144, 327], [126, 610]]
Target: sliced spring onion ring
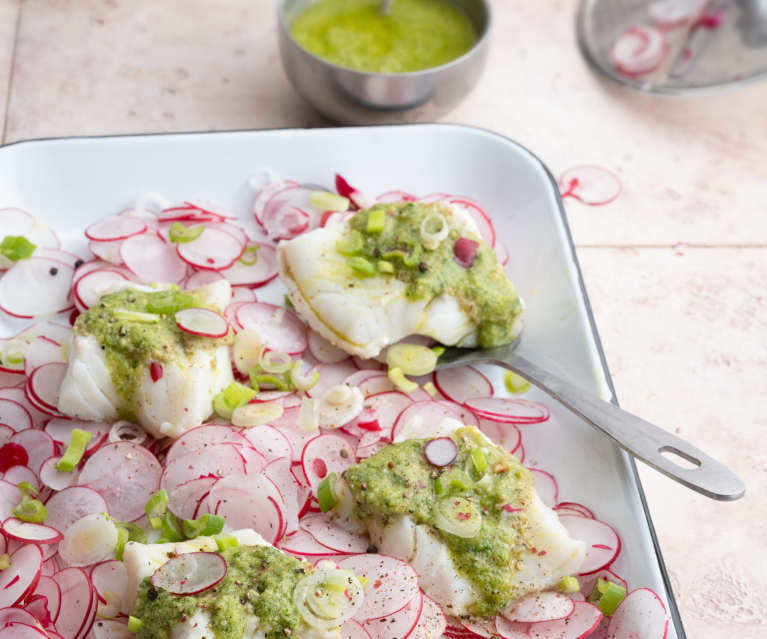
[[303, 382], [307, 414], [179, 234], [205, 526], [326, 493], [458, 516], [327, 201], [515, 383], [411, 359], [134, 624], [125, 315], [155, 508], [248, 349], [276, 362], [267, 379], [328, 597], [78, 443], [170, 302], [434, 229], [361, 266], [397, 377], [124, 431], [251, 415], [225, 541], [607, 595], [236, 395], [171, 530], [478, 461], [430, 388], [351, 244], [338, 395], [376, 222], [568, 585], [31, 510], [16, 247], [385, 267]]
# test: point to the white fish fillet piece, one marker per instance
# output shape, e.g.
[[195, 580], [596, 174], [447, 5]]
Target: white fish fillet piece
[[364, 315]]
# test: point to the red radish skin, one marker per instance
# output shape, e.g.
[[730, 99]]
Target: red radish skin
[[602, 542], [541, 606], [641, 615], [12, 455], [441, 451], [465, 251], [581, 623], [155, 371], [202, 322]]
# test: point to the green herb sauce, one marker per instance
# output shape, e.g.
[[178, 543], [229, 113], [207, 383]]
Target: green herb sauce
[[259, 582], [483, 290], [400, 481], [415, 35], [130, 345]]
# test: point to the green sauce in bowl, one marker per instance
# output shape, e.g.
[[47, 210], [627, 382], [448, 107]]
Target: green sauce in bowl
[[414, 35]]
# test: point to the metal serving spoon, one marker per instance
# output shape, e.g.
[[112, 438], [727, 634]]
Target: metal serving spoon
[[636, 436]]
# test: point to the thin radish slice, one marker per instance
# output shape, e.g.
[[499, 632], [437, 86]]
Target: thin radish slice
[[377, 383], [190, 573], [591, 185], [423, 419], [387, 407], [71, 504], [257, 266], [16, 630], [480, 217], [21, 576], [587, 582], [391, 584], [602, 542], [370, 444], [213, 461], [35, 287], [290, 212], [501, 253], [508, 411], [322, 350], [540, 606], [60, 431], [335, 538], [354, 630], [479, 627], [126, 475], [118, 227], [201, 278], [399, 624], [432, 622], [91, 286], [15, 222], [669, 14], [574, 508], [280, 328], [331, 375], [214, 250], [511, 629], [323, 455], [441, 451], [358, 199], [29, 532], [17, 474], [78, 603], [367, 364], [54, 478], [111, 629], [461, 383], [205, 436], [581, 623], [38, 444], [546, 486], [396, 196], [110, 579], [152, 260], [293, 494], [42, 350], [265, 193], [507, 436], [45, 382], [14, 415], [302, 544], [49, 589], [107, 251], [639, 50], [269, 441], [241, 294], [16, 615], [641, 615], [184, 500], [202, 322], [89, 540]]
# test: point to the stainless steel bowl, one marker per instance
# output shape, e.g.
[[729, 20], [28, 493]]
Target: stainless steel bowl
[[361, 97]]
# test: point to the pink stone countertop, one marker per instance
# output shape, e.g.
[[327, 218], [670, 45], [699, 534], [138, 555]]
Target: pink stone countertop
[[676, 268]]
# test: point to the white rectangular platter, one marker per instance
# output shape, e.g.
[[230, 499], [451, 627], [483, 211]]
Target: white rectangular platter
[[69, 183]]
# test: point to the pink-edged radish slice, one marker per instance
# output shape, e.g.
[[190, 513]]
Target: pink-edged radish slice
[[29, 532], [16, 630], [370, 444], [293, 494], [125, 475], [387, 407], [42, 350], [378, 383], [507, 436], [480, 217], [432, 622], [669, 14], [590, 185], [71, 504], [358, 199], [214, 250], [152, 260], [396, 196], [359, 376], [391, 584], [581, 623], [335, 538], [573, 508], [241, 293], [17, 615], [60, 431], [49, 589], [78, 603], [256, 267], [510, 629], [602, 542], [421, 420], [641, 615], [540, 606], [355, 630], [479, 627], [399, 624], [367, 364], [54, 478], [507, 410], [269, 441], [211, 461], [89, 540], [587, 582], [91, 286], [331, 375], [302, 544], [265, 193], [323, 455], [45, 382], [546, 486], [280, 328], [202, 322], [322, 350], [21, 576], [461, 383], [207, 435], [201, 278], [110, 579], [118, 227], [14, 415], [639, 50], [107, 251], [110, 629], [440, 452], [36, 287], [501, 253], [184, 500], [38, 444], [17, 474]]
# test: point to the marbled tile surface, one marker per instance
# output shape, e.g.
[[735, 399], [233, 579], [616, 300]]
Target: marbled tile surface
[[676, 267]]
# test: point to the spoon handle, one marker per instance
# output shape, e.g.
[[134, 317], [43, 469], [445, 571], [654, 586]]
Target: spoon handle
[[640, 438]]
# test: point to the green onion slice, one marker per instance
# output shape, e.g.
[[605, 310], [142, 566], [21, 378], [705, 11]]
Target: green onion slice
[[326, 493], [181, 234], [16, 247], [205, 526], [78, 443]]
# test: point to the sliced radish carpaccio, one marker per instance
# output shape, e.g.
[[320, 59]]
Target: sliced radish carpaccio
[[14, 415], [355, 630], [269, 441], [117, 227], [322, 350], [91, 286], [546, 486], [280, 328], [45, 382], [49, 589], [41, 350], [573, 508], [396, 196], [110, 579], [265, 193], [431, 623], [293, 494], [152, 260], [422, 419], [329, 534], [184, 501], [214, 250], [302, 544], [323, 455], [507, 410], [581, 623], [204, 436], [480, 217], [30, 532], [540, 606], [54, 478], [602, 542], [440, 451], [202, 322], [507, 436], [21, 576], [257, 267], [358, 199], [213, 461], [639, 50], [17, 474], [461, 383], [35, 287], [641, 615], [71, 504], [190, 573], [511, 629], [591, 185], [399, 624], [331, 375], [78, 603], [37, 444]]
